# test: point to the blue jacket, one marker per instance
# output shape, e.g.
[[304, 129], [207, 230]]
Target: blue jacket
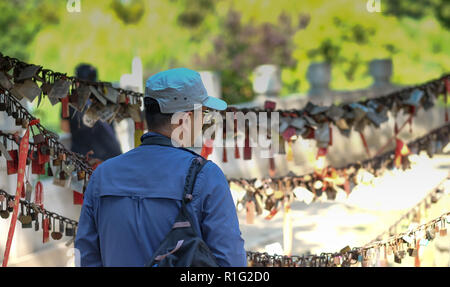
[[132, 200]]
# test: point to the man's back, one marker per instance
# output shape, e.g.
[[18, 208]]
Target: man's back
[[132, 201]]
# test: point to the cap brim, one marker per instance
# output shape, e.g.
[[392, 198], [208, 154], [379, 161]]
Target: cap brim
[[215, 103]]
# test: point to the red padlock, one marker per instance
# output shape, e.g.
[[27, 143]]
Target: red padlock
[[37, 168], [269, 105], [77, 198], [43, 154]]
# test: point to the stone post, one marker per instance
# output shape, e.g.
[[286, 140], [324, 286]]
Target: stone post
[[319, 78], [133, 81], [267, 80], [381, 71]]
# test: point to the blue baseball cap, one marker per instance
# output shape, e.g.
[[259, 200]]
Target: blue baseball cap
[[178, 90]]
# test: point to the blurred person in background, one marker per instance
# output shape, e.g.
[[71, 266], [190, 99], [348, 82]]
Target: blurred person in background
[[100, 141]]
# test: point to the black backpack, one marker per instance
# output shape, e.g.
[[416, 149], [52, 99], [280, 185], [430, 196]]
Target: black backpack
[[182, 246]]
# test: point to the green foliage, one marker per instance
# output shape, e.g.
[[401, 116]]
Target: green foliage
[[20, 22], [194, 12], [239, 48], [420, 8], [130, 11]]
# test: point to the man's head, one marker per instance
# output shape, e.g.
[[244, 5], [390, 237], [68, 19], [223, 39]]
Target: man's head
[[86, 72], [176, 91]]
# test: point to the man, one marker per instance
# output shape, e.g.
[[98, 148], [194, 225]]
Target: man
[[132, 200], [101, 138]]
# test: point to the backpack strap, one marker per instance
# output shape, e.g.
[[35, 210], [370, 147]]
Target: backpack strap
[[196, 166], [184, 218]]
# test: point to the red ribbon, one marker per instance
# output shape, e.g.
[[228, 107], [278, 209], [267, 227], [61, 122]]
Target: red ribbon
[[45, 233], [331, 135], [65, 107], [236, 150], [270, 106], [23, 154], [366, 147], [224, 155], [393, 137], [247, 149]]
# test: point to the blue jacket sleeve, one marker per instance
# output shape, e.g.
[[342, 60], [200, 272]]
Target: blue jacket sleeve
[[86, 240], [219, 221]]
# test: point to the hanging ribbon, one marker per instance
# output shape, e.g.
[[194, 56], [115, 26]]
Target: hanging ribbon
[[23, 154], [224, 149], [270, 106], [247, 148], [45, 229], [331, 135], [236, 150], [366, 147], [380, 151], [65, 107], [224, 154]]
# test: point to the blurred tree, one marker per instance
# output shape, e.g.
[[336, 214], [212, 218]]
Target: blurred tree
[[418, 9], [239, 48], [194, 11], [20, 23], [129, 11], [330, 48]]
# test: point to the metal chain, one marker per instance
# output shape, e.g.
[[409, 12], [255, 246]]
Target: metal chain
[[38, 208]]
